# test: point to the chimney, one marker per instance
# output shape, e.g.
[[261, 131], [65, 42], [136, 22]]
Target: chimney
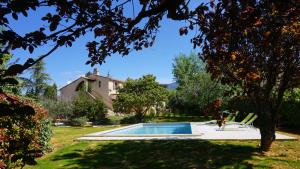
[[96, 72]]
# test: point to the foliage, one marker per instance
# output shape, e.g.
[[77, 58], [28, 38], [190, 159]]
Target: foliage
[[86, 106], [5, 58], [37, 83], [58, 110], [9, 84], [292, 95], [195, 88], [133, 119], [50, 92], [79, 121], [214, 108], [254, 44], [242, 104], [185, 67], [290, 109], [114, 30], [139, 95], [45, 134], [20, 137], [290, 114]]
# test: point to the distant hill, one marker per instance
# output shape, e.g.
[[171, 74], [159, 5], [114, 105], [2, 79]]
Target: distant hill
[[171, 86]]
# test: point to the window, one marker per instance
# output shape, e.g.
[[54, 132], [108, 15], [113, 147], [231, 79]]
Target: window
[[99, 83]]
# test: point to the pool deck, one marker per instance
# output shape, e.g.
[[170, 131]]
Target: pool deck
[[200, 131]]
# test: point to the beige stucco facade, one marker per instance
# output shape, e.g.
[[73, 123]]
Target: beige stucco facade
[[100, 87]]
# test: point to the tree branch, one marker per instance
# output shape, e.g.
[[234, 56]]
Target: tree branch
[[31, 62]]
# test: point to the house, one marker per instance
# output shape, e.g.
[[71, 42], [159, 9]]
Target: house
[[97, 86]]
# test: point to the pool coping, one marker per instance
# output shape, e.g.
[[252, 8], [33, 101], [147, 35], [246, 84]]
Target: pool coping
[[103, 133], [196, 135]]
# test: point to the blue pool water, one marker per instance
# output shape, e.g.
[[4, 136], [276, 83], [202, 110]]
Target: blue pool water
[[156, 128]]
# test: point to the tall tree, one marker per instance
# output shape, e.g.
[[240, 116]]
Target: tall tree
[[255, 45], [37, 83], [139, 95], [50, 92], [195, 88], [185, 67]]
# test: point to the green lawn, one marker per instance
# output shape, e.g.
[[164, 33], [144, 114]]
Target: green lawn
[[163, 154]]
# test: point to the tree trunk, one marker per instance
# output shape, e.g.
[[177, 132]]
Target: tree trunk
[[267, 131]]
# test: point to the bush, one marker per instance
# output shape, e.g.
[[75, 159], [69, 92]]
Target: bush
[[85, 106], [22, 131], [80, 121], [45, 134], [290, 116], [134, 119], [58, 110]]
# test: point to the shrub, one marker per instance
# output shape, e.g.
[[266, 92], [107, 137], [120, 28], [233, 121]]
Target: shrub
[[133, 119], [290, 114], [58, 110], [21, 123], [242, 104], [85, 106], [45, 134], [80, 121], [290, 109]]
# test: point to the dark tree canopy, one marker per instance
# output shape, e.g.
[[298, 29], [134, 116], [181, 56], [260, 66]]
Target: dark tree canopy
[[114, 31], [255, 44]]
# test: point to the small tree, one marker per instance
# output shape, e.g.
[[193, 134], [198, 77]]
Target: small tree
[[139, 96], [86, 106]]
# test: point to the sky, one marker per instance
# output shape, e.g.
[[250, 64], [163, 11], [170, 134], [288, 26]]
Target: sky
[[68, 63]]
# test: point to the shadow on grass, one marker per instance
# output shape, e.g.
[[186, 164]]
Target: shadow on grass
[[160, 154]]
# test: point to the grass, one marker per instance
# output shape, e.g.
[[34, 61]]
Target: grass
[[163, 154], [64, 136]]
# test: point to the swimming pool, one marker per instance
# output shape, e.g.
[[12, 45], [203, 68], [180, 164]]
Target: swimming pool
[[178, 131], [155, 128]]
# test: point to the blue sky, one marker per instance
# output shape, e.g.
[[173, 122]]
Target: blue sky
[[67, 64]]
